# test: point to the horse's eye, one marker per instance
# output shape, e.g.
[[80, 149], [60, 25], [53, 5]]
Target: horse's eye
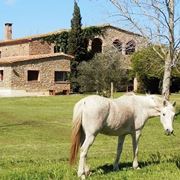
[[164, 114]]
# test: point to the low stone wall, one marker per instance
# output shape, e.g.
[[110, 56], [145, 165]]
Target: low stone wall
[[20, 93]]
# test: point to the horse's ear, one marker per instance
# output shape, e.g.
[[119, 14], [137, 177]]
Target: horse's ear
[[165, 103], [174, 103]]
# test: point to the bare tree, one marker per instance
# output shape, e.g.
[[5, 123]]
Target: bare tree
[[158, 22]]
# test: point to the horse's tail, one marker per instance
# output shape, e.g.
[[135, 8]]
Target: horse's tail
[[77, 132]]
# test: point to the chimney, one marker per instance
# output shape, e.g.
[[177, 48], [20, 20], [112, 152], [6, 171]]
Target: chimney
[[8, 31]]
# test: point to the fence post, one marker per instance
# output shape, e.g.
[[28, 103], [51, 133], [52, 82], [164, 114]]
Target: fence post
[[135, 84], [112, 90]]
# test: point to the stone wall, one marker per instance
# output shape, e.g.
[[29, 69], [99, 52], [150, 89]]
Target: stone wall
[[33, 47], [6, 82], [112, 34], [46, 68], [15, 50], [39, 47]]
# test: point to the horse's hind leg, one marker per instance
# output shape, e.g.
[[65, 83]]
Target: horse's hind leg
[[83, 154], [135, 139], [119, 150]]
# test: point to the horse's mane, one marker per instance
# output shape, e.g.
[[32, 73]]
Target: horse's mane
[[158, 100], [129, 93]]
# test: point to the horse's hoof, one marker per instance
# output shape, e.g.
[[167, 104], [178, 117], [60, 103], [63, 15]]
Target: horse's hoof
[[83, 177], [116, 168], [80, 174], [87, 171]]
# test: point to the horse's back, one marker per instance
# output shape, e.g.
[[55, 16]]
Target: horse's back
[[95, 106], [95, 110], [93, 101], [107, 116]]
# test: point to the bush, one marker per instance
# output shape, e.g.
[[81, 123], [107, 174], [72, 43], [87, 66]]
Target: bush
[[149, 68], [98, 73]]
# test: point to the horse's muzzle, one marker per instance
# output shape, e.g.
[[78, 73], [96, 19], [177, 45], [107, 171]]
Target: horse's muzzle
[[169, 132]]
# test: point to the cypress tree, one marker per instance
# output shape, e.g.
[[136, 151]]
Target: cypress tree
[[75, 41], [75, 45]]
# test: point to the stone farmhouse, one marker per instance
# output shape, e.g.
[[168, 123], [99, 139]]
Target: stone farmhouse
[[29, 65]]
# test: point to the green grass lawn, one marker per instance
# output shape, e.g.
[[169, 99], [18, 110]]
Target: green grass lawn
[[35, 141]]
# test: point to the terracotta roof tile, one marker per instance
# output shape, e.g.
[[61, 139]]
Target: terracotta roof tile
[[10, 60], [30, 38]]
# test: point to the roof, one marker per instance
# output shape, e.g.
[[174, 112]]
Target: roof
[[14, 59], [14, 41], [29, 38], [119, 29], [37, 36]]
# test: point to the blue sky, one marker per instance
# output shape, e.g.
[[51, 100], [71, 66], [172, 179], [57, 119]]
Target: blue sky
[[31, 17], [42, 16]]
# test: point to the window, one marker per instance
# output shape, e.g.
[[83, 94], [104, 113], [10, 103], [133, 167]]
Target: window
[[130, 47], [57, 49], [118, 45], [1, 75], [97, 45], [60, 76], [33, 75]]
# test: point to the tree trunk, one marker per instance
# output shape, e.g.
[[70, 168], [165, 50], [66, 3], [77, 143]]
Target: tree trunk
[[167, 78], [170, 56]]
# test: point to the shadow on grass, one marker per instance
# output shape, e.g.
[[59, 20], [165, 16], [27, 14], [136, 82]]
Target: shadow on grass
[[108, 168], [155, 160], [176, 160], [25, 123]]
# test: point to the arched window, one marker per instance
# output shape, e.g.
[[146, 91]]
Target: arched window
[[118, 45], [130, 47], [97, 45]]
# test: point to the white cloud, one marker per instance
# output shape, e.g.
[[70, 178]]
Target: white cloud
[[9, 2]]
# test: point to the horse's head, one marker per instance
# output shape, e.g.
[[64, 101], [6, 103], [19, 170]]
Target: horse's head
[[167, 116]]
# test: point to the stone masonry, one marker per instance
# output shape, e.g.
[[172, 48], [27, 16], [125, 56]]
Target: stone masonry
[[34, 45], [15, 73], [8, 50], [113, 33], [17, 56], [39, 47]]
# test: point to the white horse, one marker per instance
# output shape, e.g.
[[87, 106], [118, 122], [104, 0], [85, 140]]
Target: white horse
[[117, 117]]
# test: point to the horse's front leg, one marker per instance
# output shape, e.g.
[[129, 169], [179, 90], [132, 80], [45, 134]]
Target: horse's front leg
[[119, 150], [135, 140]]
